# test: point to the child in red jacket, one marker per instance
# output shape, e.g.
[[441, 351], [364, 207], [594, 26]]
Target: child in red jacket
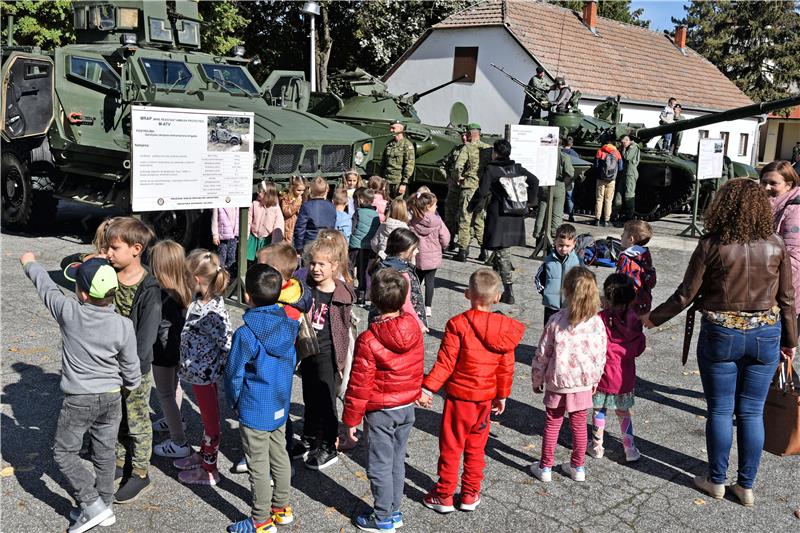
[[476, 367], [385, 382]]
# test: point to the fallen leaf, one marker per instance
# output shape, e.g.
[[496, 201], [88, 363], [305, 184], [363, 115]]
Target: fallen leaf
[[797, 513], [13, 349], [699, 501], [360, 474], [7, 471]]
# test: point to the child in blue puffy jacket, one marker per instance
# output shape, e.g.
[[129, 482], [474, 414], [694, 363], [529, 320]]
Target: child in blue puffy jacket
[[258, 381]]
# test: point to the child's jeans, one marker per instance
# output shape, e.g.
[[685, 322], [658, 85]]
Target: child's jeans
[[552, 426], [100, 415], [266, 456], [206, 397], [465, 429], [386, 460], [227, 252]]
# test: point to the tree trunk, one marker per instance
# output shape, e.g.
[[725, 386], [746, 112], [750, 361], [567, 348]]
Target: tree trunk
[[323, 49]]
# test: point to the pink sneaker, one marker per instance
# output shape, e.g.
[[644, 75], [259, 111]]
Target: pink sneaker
[[188, 463], [198, 476]]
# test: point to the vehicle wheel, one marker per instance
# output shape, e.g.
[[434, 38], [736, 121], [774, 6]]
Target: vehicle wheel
[[234, 141], [214, 137], [17, 192], [179, 226]]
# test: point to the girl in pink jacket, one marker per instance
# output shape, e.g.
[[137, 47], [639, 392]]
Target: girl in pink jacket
[[265, 222], [433, 239], [626, 342], [567, 367], [225, 234]]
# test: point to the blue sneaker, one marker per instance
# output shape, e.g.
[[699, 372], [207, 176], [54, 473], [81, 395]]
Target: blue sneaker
[[370, 522], [397, 519], [248, 526]]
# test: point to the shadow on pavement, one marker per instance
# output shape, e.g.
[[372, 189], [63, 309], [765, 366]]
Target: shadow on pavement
[[660, 394]]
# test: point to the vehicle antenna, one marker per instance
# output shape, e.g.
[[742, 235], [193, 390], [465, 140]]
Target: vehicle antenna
[[560, 42]]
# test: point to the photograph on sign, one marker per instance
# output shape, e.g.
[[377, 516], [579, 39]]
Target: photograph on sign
[[190, 158], [710, 154], [536, 149]]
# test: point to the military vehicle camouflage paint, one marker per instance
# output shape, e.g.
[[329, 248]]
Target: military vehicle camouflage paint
[[140, 53]]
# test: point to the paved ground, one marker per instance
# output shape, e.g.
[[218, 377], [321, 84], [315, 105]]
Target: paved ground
[[653, 494]]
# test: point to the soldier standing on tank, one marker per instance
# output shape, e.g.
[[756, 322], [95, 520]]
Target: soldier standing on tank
[[563, 95], [625, 193], [532, 107], [678, 135], [564, 180], [452, 203], [468, 172], [397, 165]]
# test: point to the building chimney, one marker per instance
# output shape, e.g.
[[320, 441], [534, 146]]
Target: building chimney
[[590, 15], [680, 38]]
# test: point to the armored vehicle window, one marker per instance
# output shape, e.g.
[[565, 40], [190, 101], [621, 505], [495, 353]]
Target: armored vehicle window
[[230, 77], [94, 71], [166, 74], [102, 17]]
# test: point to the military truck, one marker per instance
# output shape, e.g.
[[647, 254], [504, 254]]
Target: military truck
[[65, 116]]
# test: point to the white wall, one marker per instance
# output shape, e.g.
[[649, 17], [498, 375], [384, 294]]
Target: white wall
[[494, 101]]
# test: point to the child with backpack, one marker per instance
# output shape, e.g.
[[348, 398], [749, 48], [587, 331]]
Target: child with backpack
[[567, 367], [433, 239], [636, 262], [626, 342], [607, 164], [401, 252]]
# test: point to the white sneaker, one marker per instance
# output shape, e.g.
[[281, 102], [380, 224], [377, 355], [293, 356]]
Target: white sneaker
[[171, 449], [241, 466], [544, 474], [428, 311], [596, 451], [577, 473], [632, 454]]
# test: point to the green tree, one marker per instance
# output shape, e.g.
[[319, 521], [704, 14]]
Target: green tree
[[223, 26], [755, 44], [44, 24], [619, 10]]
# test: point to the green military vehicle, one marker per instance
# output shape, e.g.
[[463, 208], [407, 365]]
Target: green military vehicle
[[65, 120]]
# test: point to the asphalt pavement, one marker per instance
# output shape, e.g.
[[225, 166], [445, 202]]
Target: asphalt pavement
[[654, 494]]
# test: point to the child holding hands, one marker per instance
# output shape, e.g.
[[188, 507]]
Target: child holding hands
[[568, 366], [385, 382], [475, 365]]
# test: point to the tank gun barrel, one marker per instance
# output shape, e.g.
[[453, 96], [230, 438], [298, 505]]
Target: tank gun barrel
[[524, 86], [644, 134], [416, 96]]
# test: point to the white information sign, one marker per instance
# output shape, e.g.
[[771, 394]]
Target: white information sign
[[190, 158], [536, 149], [709, 158]]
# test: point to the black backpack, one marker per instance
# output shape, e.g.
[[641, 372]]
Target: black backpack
[[610, 167]]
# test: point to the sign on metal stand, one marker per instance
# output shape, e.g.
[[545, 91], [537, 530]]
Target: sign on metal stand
[[186, 159], [710, 154], [536, 148]]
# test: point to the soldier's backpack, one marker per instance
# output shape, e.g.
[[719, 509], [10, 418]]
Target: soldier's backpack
[[610, 167], [515, 197]]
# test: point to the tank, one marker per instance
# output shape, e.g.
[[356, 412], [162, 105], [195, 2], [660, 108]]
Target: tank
[[666, 181], [66, 112]]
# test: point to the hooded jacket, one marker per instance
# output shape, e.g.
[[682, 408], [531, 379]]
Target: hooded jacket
[[476, 357], [387, 371], [258, 375], [570, 358], [225, 223], [378, 241], [433, 238], [636, 263], [625, 343]]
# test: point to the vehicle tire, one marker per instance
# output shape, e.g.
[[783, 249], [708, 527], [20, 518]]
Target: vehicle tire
[[214, 137], [17, 192], [234, 141], [179, 226]]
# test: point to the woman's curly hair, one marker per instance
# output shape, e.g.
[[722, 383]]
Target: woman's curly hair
[[740, 212]]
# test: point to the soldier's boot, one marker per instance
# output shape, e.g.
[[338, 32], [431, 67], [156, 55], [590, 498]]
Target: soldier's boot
[[508, 294], [452, 246], [462, 254], [482, 255]]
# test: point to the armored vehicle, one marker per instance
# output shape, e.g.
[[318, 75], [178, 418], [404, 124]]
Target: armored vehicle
[[223, 135], [65, 120], [666, 181]]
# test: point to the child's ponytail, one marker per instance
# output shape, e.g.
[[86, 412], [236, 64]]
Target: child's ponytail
[[581, 295], [206, 266]]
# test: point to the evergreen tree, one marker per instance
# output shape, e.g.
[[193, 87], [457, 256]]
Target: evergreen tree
[[619, 10], [755, 44]]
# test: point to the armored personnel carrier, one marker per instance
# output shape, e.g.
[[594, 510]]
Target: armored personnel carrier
[[666, 181], [65, 120]]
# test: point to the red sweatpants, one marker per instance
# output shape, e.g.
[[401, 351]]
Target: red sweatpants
[[465, 429], [552, 426], [206, 396]]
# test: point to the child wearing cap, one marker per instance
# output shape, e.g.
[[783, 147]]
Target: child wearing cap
[[97, 359]]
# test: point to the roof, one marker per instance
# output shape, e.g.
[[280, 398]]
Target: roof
[[649, 67], [793, 114]]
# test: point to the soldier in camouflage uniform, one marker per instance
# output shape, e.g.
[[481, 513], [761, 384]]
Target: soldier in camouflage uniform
[[468, 172], [532, 107], [452, 203], [397, 165]]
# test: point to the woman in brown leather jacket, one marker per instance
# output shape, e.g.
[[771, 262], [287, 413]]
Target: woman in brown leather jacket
[[740, 279]]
